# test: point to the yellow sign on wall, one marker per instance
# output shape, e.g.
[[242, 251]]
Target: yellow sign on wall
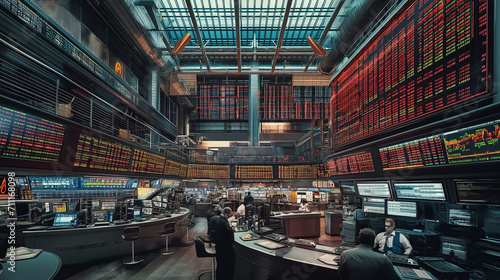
[[118, 68]]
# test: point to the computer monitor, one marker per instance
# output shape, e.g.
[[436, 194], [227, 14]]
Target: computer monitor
[[132, 183], [454, 249], [137, 212], [108, 204], [348, 188], [402, 208], [157, 204], [478, 191], [120, 213], [147, 203], [100, 216], [65, 219], [374, 189], [431, 191], [146, 212], [111, 215], [96, 204], [373, 205], [463, 217], [59, 207]]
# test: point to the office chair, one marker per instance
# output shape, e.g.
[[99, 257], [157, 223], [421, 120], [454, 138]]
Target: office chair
[[203, 251], [132, 234], [168, 229]]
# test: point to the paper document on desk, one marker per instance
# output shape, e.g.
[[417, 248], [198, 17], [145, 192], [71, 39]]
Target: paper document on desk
[[22, 253], [328, 259], [413, 273]]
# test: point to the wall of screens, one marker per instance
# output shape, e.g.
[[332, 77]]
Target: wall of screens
[[402, 208], [431, 191], [478, 191], [24, 136], [427, 59], [374, 189]]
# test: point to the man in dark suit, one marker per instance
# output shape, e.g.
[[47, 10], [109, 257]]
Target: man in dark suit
[[362, 263], [222, 235]]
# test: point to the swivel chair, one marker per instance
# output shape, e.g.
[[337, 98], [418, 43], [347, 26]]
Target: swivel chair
[[168, 229], [203, 251], [132, 234]]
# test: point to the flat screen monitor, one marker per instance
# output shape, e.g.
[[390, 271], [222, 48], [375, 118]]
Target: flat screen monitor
[[454, 249], [137, 212], [164, 205], [402, 208], [433, 191], [157, 203], [147, 203], [96, 204], [108, 204], [156, 183], [463, 217], [479, 192], [348, 188], [146, 212], [111, 214], [100, 216], [157, 198], [133, 183], [65, 219], [374, 189], [477, 143], [59, 207], [373, 205], [46, 207]]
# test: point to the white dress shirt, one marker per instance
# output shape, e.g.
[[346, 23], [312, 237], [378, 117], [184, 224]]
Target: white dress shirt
[[380, 242]]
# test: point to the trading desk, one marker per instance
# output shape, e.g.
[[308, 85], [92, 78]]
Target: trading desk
[[254, 262], [45, 266], [300, 224], [93, 243]]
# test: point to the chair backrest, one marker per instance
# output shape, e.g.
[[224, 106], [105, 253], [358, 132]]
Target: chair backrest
[[201, 251], [169, 228], [131, 233]]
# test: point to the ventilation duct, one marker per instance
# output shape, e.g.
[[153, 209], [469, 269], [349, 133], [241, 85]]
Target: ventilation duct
[[121, 12], [357, 19]]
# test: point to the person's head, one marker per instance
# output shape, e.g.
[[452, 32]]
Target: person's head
[[227, 212], [390, 225], [303, 201], [366, 236]]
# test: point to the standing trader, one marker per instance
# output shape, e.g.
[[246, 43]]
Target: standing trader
[[392, 241], [362, 263], [222, 235]]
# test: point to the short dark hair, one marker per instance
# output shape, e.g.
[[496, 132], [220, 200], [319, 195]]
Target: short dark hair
[[367, 236], [391, 221]]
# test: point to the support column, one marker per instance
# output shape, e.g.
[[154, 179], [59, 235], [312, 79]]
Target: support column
[[253, 110]]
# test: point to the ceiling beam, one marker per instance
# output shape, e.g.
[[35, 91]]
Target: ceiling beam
[[167, 44], [327, 29], [237, 23], [233, 53], [197, 31], [282, 33]]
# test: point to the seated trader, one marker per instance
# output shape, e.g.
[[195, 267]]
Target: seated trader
[[304, 206], [364, 263], [223, 236], [391, 241]]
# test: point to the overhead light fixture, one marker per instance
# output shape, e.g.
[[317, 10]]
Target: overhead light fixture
[[317, 48], [181, 44]]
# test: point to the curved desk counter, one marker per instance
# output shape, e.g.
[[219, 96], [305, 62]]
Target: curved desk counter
[[93, 243], [254, 262], [45, 266]]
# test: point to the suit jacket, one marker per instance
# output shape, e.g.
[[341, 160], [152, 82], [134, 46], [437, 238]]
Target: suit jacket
[[362, 263]]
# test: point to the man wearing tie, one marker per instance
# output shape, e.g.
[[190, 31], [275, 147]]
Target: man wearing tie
[[392, 241]]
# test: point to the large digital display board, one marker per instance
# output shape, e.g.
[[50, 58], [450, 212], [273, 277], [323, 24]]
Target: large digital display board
[[208, 171], [147, 162], [28, 137], [433, 55], [474, 144], [427, 151], [352, 163], [97, 153], [253, 172], [297, 172]]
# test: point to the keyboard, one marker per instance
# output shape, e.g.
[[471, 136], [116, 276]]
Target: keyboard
[[275, 237], [341, 249], [97, 224], [300, 242], [240, 228], [403, 260], [441, 267]]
